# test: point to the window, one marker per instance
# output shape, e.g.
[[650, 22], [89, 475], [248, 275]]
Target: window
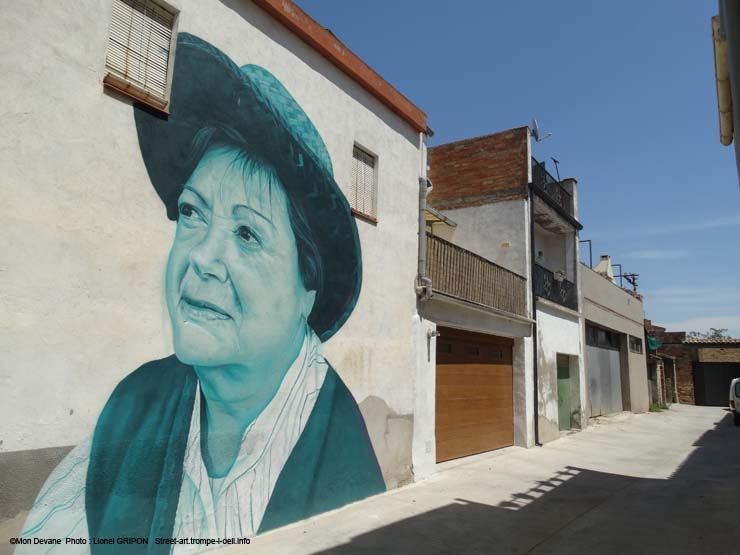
[[138, 59], [635, 344], [363, 198], [599, 337]]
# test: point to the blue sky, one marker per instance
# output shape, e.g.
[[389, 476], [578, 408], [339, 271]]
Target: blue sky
[[627, 90]]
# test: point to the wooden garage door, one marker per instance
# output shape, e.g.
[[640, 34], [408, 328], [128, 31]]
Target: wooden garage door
[[474, 404]]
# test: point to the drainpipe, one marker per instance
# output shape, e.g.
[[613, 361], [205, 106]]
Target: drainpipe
[[534, 323], [424, 282]]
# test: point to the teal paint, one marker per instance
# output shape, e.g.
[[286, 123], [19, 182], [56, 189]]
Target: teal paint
[[265, 265]]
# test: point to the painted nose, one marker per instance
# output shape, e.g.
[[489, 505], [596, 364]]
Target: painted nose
[[207, 257]]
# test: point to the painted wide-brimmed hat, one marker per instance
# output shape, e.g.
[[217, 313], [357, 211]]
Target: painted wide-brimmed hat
[[211, 91]]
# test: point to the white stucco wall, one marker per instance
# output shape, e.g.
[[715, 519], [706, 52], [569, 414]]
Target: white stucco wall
[[86, 239], [424, 444], [606, 304], [553, 249], [497, 232], [558, 331]]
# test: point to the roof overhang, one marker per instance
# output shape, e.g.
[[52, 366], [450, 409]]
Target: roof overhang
[[726, 39], [325, 43], [434, 216]]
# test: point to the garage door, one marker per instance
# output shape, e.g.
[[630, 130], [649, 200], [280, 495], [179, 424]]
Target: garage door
[[603, 371], [712, 382], [474, 396], [604, 381]]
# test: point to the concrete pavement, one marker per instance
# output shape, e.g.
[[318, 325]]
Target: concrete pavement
[[654, 483]]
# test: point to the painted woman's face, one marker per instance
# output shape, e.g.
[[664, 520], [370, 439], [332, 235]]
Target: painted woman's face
[[234, 290]]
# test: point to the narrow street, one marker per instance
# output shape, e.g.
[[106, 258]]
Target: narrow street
[[653, 483]]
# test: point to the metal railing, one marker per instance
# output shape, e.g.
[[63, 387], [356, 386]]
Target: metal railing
[[464, 275], [558, 291], [548, 185]]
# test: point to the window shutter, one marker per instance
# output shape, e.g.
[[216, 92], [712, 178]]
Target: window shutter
[[139, 44], [364, 183]]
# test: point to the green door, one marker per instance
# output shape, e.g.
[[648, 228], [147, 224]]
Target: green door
[[564, 392]]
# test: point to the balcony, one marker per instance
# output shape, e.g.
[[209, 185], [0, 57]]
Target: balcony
[[463, 275], [560, 291], [551, 188]]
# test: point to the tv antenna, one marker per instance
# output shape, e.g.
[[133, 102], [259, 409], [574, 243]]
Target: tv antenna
[[556, 162], [536, 132], [632, 279]]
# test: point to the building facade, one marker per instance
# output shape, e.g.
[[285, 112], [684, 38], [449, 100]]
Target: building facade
[[616, 367], [502, 224], [479, 301], [119, 165], [701, 368]]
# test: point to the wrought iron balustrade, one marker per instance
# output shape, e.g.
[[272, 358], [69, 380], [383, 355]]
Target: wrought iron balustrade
[[551, 187], [562, 292], [464, 275]]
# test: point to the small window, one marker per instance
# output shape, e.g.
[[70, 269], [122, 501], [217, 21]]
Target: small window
[[635, 344], [591, 336], [614, 340], [602, 338], [138, 59], [363, 198], [599, 337]]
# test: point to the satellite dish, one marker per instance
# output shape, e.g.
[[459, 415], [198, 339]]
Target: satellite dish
[[536, 132]]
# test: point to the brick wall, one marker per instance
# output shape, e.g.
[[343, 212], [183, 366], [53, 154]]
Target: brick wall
[[684, 369], [716, 353], [481, 170], [674, 336]]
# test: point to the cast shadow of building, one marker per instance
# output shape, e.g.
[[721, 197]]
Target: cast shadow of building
[[582, 511]]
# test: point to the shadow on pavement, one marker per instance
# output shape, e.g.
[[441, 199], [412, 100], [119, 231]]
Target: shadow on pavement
[[582, 511]]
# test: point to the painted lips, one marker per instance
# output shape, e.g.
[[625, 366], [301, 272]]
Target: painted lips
[[202, 310]]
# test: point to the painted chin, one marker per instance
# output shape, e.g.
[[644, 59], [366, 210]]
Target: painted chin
[[200, 339]]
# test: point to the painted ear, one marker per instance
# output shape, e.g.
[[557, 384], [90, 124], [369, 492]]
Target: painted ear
[[308, 303]]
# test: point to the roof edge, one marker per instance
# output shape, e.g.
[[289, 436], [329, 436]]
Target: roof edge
[[718, 341], [479, 137], [325, 43]]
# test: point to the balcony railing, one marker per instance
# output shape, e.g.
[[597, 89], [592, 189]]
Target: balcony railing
[[464, 275], [551, 187], [558, 291]]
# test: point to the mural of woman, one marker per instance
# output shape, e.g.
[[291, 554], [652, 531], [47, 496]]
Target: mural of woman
[[246, 427]]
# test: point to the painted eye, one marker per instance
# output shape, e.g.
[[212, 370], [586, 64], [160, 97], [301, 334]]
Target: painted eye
[[187, 210], [246, 234]]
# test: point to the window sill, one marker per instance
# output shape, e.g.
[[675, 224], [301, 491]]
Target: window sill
[[365, 217], [137, 93]]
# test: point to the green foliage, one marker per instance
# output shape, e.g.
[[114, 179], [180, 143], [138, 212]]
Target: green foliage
[[713, 333]]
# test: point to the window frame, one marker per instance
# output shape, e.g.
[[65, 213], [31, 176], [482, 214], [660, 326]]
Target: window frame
[[637, 341], [130, 89], [596, 336], [370, 218]]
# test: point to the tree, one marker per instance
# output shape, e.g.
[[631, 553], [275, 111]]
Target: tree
[[713, 333]]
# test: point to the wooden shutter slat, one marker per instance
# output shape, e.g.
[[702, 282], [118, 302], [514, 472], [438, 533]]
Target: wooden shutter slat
[[139, 43], [363, 182]]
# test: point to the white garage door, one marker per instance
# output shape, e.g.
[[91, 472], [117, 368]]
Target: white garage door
[[602, 369]]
